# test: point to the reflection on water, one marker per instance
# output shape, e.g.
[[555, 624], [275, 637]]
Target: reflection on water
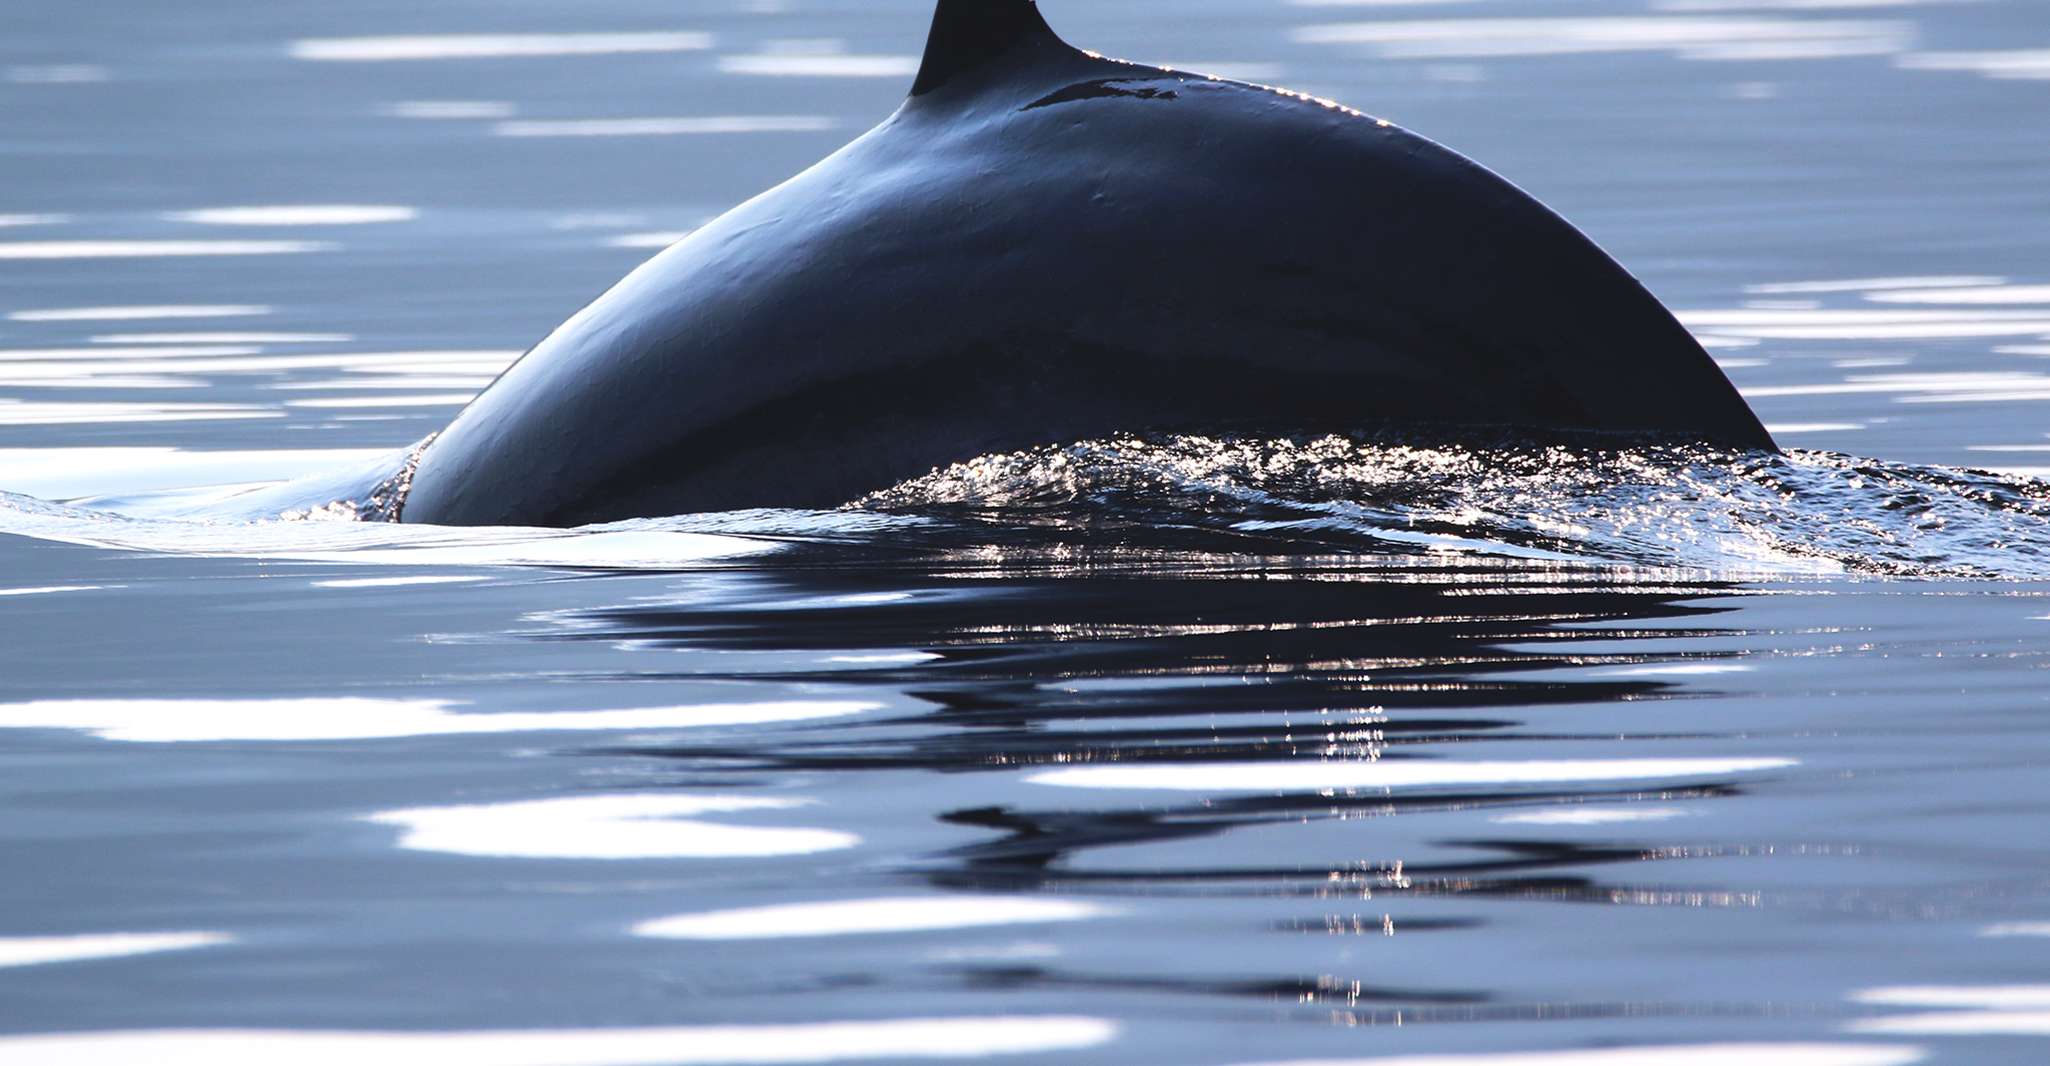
[[1724, 39], [59, 74], [152, 249], [493, 46], [2013, 1010], [452, 109], [1327, 783], [1666, 1055], [298, 215], [807, 64], [1305, 692], [610, 827], [126, 314], [911, 1039], [43, 950], [2022, 65], [220, 338], [665, 127], [2017, 929], [30, 413], [867, 916], [1387, 774], [1191, 750], [186, 721]]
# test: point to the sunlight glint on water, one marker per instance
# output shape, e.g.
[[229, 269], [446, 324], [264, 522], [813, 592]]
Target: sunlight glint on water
[[1425, 751]]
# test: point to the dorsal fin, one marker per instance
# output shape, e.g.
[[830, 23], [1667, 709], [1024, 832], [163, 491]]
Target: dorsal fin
[[969, 34]]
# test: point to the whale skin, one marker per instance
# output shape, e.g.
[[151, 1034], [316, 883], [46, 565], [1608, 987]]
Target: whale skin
[[1044, 245]]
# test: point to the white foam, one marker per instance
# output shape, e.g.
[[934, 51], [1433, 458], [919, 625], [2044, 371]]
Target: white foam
[[1298, 776], [167, 721], [42, 950], [47, 590], [153, 249], [611, 827], [32, 220], [757, 1045], [492, 46], [297, 215], [866, 916], [664, 127]]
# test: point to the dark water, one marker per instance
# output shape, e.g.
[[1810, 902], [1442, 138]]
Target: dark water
[[1183, 750]]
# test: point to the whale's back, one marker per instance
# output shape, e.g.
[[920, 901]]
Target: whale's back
[[1044, 245]]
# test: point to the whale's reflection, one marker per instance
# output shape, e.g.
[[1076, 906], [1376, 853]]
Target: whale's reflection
[[1194, 693]]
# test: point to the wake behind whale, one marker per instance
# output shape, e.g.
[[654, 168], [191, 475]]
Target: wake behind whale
[[1405, 498], [1660, 505]]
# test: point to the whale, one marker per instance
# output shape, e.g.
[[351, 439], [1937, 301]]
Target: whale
[[1044, 245]]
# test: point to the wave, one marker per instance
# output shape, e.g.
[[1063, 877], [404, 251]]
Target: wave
[[1659, 505], [1650, 505]]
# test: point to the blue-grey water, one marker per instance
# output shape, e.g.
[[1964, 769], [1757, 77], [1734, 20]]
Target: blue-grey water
[[1134, 751]]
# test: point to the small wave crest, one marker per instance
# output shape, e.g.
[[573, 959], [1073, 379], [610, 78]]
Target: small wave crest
[[1653, 505], [1661, 505]]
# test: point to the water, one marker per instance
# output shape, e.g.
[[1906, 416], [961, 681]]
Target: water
[[1171, 750]]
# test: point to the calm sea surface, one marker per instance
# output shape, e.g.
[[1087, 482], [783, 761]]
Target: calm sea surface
[[1165, 751]]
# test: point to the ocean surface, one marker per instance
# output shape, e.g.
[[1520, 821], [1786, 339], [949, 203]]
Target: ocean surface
[[1178, 750]]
